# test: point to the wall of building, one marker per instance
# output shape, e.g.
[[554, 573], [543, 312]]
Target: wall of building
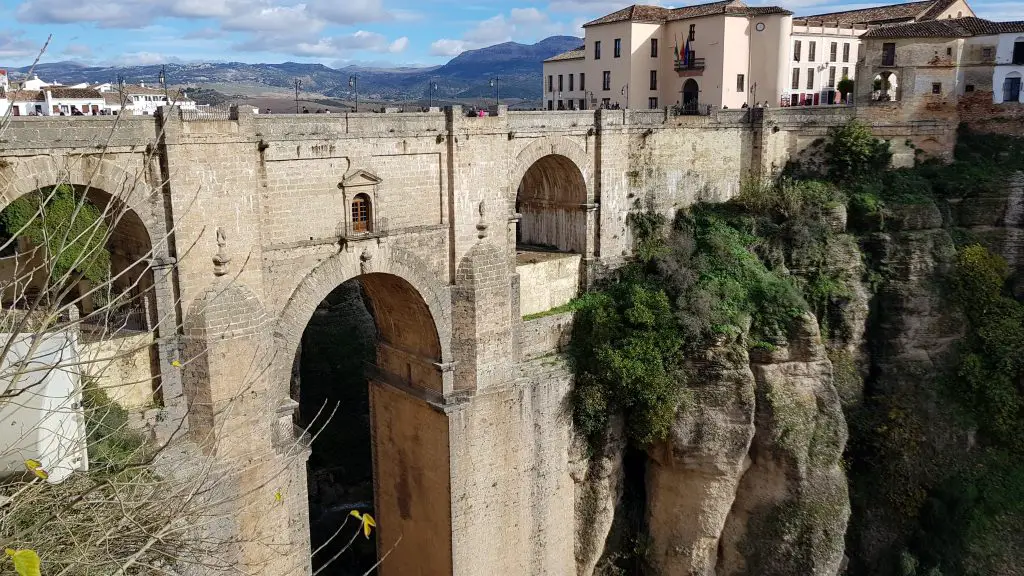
[[566, 69], [619, 67], [769, 49], [1004, 65], [709, 44], [642, 64], [823, 36], [122, 365]]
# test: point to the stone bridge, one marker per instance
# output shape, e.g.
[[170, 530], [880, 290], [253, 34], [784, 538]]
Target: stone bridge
[[251, 221]]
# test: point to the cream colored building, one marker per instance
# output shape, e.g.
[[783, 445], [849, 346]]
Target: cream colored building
[[825, 47], [729, 54]]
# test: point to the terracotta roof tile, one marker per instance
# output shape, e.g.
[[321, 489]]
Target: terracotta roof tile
[[634, 13], [75, 93], [936, 9], [947, 28], [575, 54], [26, 96], [878, 15], [658, 15]]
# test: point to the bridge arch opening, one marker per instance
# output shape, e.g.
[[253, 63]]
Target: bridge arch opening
[[551, 199], [371, 354], [76, 245]]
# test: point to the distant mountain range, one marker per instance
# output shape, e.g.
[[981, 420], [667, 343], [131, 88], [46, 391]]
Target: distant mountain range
[[518, 68]]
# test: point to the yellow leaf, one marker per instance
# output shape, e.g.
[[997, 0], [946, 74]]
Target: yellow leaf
[[368, 524], [36, 467], [278, 496], [26, 562], [356, 514], [175, 363]]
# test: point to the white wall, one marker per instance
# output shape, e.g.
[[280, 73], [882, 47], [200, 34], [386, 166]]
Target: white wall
[[823, 37], [619, 67], [1004, 66], [565, 68]]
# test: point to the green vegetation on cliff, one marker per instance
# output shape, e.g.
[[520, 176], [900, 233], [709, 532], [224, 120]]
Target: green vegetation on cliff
[[933, 390]]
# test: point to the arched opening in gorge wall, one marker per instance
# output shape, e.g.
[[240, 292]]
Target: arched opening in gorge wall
[[80, 246], [370, 354], [552, 201]]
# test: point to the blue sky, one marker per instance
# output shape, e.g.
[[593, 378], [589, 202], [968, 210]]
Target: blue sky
[[332, 32]]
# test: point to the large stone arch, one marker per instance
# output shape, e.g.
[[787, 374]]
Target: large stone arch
[[345, 266], [408, 432], [546, 146], [129, 185]]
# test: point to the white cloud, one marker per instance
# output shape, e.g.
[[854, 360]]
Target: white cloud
[[293, 20], [333, 46], [142, 59], [79, 50], [12, 45], [447, 47], [521, 24], [348, 11]]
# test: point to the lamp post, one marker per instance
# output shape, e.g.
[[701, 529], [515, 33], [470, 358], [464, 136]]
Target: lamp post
[[353, 83], [163, 82], [430, 94], [494, 84], [298, 84]]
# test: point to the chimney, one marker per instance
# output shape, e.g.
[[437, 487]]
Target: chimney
[[142, 84]]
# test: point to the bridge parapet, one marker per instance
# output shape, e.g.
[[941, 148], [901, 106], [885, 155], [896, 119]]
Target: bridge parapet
[[50, 132], [561, 120]]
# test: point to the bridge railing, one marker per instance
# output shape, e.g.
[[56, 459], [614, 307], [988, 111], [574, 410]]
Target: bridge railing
[[548, 119], [205, 115]]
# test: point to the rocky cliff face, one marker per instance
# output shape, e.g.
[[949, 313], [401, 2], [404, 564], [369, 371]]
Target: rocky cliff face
[[751, 479], [748, 481]]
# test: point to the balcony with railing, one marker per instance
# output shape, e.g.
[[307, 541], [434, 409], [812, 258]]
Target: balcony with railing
[[690, 67]]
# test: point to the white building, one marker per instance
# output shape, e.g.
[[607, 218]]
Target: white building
[[565, 84], [825, 47], [143, 100], [1009, 68], [694, 58], [56, 101]]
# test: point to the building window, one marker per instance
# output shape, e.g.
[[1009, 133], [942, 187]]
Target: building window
[[832, 77], [654, 79], [1018, 51], [986, 52], [571, 87], [810, 78], [846, 73], [796, 79], [561, 84], [889, 54], [796, 50], [1011, 89], [597, 50], [693, 33], [969, 88], [739, 83], [606, 102], [936, 87], [654, 47], [551, 83], [551, 105], [583, 104], [561, 105], [652, 103], [949, 51], [811, 49], [583, 81], [833, 52], [606, 80], [618, 48], [846, 51], [361, 213]]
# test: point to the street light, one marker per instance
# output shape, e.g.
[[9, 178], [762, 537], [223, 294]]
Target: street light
[[163, 82], [298, 84], [430, 94], [494, 84], [353, 83]]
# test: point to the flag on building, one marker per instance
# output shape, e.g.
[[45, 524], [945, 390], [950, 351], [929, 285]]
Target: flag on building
[[676, 48], [686, 54]]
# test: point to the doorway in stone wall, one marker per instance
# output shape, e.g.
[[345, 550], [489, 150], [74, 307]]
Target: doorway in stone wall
[[369, 355]]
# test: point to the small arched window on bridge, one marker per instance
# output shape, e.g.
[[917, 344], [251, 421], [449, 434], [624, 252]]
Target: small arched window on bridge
[[361, 213]]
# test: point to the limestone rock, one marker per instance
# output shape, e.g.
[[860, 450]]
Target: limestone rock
[[792, 504], [692, 476], [598, 479]]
